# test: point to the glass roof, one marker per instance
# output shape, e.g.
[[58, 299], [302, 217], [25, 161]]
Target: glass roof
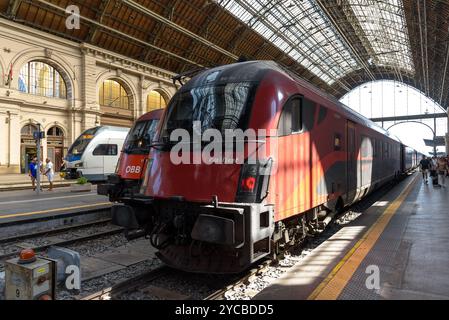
[[302, 30], [383, 24]]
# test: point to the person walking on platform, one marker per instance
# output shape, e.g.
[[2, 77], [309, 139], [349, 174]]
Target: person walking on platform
[[424, 166], [433, 162], [442, 170], [49, 172]]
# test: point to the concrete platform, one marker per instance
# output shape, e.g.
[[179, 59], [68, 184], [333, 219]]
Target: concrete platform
[[9, 182], [397, 249], [26, 204]]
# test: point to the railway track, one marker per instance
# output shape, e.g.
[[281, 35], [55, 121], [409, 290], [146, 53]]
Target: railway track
[[127, 285], [242, 280], [260, 269], [40, 248], [53, 231], [150, 285], [145, 285], [51, 234]]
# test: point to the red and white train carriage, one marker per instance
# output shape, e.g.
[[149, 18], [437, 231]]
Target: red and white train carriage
[[222, 217]]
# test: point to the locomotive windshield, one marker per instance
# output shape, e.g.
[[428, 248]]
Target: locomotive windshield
[[140, 137], [216, 106], [80, 144]]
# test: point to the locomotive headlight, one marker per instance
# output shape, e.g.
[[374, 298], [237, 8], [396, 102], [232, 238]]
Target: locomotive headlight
[[117, 166], [144, 184], [253, 182]]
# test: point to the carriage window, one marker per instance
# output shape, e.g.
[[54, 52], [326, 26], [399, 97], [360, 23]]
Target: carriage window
[[291, 118], [105, 150], [366, 147]]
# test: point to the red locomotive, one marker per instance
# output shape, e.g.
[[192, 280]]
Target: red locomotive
[[222, 217], [124, 185]]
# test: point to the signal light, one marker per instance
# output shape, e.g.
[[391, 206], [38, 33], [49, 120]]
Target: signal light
[[248, 184], [27, 256], [253, 182]]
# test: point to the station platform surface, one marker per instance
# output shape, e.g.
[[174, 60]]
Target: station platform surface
[[26, 204], [18, 181], [397, 249]]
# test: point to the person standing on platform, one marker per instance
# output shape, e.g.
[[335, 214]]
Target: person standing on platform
[[49, 172], [424, 166], [32, 172], [442, 169]]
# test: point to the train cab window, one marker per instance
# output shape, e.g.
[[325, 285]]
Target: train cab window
[[106, 150], [291, 118]]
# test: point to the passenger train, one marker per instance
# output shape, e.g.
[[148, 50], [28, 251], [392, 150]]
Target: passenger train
[[124, 184], [95, 153], [221, 217]]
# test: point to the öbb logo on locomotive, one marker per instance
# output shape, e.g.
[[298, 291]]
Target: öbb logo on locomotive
[[133, 169]]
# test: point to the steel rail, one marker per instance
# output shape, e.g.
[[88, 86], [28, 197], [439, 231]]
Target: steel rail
[[40, 248], [128, 284]]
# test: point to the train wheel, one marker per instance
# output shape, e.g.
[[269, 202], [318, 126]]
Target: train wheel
[[339, 206]]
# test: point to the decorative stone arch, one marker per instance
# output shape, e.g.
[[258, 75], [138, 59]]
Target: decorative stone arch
[[165, 92], [28, 121], [47, 56], [125, 81], [27, 145], [56, 124]]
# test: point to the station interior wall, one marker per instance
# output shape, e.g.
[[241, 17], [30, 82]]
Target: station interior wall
[[84, 68]]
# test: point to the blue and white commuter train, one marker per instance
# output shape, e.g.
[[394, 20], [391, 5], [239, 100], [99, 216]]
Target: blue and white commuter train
[[95, 153]]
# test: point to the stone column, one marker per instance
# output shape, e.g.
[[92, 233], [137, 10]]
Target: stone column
[[14, 142], [90, 107], [141, 107]]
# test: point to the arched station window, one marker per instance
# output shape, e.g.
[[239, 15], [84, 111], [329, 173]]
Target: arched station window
[[42, 79], [113, 94], [155, 101], [28, 130], [55, 132]]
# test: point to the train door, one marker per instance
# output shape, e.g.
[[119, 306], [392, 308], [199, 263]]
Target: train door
[[96, 165], [110, 157], [351, 162]]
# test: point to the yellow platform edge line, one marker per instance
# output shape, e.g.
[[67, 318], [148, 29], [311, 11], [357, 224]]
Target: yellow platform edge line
[[331, 287], [24, 214]]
